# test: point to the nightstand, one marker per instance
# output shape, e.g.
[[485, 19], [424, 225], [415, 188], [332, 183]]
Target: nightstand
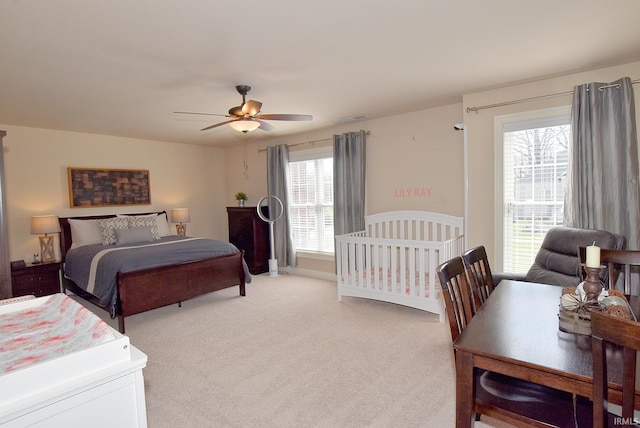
[[39, 280]]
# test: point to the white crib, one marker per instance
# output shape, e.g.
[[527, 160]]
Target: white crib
[[395, 258]]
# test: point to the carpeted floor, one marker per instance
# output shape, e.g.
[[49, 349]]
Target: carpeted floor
[[290, 355]]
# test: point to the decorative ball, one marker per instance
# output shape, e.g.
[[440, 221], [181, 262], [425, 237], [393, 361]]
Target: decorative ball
[[618, 311]]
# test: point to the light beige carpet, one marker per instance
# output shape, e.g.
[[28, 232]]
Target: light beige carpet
[[290, 355]]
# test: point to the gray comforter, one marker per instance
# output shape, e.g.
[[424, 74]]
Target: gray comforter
[[94, 267]]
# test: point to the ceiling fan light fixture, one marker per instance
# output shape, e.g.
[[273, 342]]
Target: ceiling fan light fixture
[[244, 125], [246, 117]]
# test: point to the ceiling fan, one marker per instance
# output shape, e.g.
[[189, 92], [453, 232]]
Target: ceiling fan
[[246, 117]]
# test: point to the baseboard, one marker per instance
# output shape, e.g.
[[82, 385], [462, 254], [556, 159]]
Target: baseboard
[[310, 273]]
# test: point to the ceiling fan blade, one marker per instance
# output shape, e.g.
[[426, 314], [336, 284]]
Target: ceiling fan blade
[[265, 126], [297, 117], [251, 107], [215, 125], [236, 111], [206, 114]]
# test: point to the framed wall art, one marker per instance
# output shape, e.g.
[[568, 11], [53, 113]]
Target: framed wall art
[[99, 187]]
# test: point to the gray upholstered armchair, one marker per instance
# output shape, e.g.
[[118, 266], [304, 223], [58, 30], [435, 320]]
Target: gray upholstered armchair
[[558, 260]]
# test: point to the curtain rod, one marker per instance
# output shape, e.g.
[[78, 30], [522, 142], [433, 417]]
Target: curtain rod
[[309, 142], [541, 97]]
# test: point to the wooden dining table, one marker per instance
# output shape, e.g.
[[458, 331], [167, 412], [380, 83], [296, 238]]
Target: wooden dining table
[[516, 333]]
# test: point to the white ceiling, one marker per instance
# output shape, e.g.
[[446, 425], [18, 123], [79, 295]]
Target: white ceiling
[[122, 67]]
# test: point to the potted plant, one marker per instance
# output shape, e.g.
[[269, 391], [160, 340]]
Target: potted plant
[[241, 197]]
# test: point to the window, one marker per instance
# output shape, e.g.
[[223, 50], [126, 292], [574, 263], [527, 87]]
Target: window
[[534, 171], [311, 188]]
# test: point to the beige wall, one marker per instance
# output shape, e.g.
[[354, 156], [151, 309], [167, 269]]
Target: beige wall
[[36, 162], [481, 137], [414, 162]]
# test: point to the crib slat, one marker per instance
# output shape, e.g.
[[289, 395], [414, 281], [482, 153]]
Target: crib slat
[[360, 263], [339, 274], [368, 263], [422, 289], [394, 268], [375, 265], [386, 255], [434, 262], [411, 252], [353, 267]]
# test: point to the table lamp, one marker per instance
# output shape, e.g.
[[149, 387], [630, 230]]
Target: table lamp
[[180, 216], [45, 224]]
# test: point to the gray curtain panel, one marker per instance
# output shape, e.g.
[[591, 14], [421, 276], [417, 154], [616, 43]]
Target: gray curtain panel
[[349, 182], [278, 186], [602, 183]]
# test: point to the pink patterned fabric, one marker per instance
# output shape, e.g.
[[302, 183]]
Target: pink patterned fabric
[[354, 278], [59, 326]]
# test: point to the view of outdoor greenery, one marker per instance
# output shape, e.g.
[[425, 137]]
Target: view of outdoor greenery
[[312, 204], [535, 171]]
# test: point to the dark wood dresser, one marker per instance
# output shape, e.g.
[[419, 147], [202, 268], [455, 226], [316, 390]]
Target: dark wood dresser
[[250, 234]]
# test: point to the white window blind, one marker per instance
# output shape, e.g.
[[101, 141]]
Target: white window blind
[[535, 171], [311, 187]]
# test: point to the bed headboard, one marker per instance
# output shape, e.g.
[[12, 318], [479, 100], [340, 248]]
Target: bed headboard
[[65, 228]]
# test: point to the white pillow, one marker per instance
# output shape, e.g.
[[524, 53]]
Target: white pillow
[[133, 236], [163, 225], [161, 220], [85, 232], [108, 227]]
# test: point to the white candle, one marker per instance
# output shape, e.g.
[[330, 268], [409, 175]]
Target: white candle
[[593, 256]]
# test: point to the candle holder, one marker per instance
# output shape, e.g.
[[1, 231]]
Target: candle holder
[[592, 285]]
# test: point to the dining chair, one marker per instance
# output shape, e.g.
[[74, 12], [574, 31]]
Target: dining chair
[[619, 265], [609, 331], [479, 275], [457, 295], [508, 399]]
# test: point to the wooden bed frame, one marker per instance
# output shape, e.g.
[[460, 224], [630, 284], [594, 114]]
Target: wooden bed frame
[[148, 289]]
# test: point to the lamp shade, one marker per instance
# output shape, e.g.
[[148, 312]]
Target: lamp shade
[[180, 215], [244, 125], [44, 224]]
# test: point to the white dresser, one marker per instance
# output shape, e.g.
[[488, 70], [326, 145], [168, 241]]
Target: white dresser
[[61, 366]]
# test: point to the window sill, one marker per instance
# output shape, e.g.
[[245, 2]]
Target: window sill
[[316, 255]]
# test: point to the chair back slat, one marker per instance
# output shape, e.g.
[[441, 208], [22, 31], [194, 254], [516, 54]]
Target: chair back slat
[[619, 263], [457, 295], [479, 274], [607, 331]]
